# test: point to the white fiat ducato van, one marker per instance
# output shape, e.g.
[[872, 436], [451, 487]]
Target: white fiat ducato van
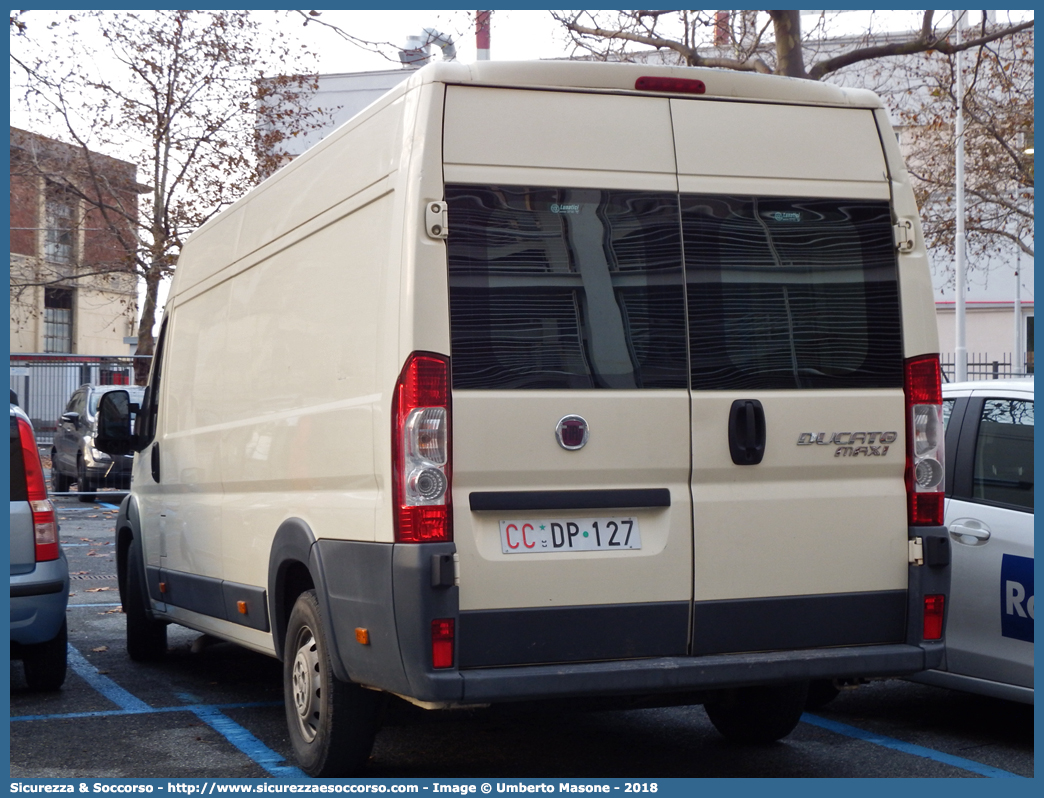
[[549, 380]]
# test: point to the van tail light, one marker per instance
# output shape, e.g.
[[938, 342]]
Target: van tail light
[[45, 523], [442, 643], [933, 616], [925, 462], [421, 450]]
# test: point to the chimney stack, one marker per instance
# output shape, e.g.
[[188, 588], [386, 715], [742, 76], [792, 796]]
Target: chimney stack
[[482, 34]]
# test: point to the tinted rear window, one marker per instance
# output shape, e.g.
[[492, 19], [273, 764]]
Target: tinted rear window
[[791, 293], [582, 288], [19, 489], [565, 288]]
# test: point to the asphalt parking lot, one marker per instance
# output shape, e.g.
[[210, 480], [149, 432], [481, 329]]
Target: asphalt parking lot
[[214, 710]]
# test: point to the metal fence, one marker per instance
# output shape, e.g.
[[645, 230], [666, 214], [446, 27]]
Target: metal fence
[[985, 367], [44, 383]]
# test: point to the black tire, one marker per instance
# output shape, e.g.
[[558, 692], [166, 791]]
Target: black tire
[[332, 723], [59, 482], [45, 663], [758, 715], [146, 637], [820, 693], [84, 485]]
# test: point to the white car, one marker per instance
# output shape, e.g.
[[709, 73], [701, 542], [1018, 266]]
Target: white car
[[989, 514]]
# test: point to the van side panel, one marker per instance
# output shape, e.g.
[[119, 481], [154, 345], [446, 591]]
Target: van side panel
[[181, 516], [284, 301], [299, 394], [351, 158]]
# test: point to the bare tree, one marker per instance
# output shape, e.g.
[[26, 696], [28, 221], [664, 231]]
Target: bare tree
[[770, 42], [188, 96], [998, 113]]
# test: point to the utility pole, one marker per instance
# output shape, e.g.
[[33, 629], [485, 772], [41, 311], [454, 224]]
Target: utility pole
[[1017, 365], [961, 349]]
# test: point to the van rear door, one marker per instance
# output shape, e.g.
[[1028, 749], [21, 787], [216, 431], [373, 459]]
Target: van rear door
[[797, 375], [572, 516]]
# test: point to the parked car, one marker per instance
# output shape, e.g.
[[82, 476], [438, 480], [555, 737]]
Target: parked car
[[989, 513], [39, 571], [73, 455]]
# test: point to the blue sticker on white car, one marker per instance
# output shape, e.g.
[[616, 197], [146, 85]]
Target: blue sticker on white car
[[1016, 585]]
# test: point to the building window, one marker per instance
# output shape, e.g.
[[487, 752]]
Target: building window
[[60, 240], [58, 319]]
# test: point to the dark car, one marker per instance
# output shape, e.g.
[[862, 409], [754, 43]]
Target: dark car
[[73, 455], [39, 571]]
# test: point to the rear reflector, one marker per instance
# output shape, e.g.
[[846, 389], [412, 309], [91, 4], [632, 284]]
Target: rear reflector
[[933, 616], [442, 643], [671, 85]]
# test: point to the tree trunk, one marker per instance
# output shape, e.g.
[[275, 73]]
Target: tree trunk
[[146, 341], [790, 59]]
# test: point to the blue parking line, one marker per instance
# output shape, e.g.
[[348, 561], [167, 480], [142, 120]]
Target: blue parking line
[[242, 739], [104, 685], [257, 751], [907, 748], [109, 713]]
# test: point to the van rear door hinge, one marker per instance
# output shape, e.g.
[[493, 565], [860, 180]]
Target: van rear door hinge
[[916, 548], [902, 231], [435, 219]]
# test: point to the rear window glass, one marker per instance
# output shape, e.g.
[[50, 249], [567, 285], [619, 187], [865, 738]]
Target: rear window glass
[[791, 293], [565, 288], [584, 288], [19, 489]]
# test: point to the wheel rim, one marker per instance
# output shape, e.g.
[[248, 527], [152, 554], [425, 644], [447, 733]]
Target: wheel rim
[[306, 686]]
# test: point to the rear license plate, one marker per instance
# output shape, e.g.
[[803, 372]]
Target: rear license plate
[[580, 534]]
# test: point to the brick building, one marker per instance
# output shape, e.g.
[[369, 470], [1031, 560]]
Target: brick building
[[73, 220]]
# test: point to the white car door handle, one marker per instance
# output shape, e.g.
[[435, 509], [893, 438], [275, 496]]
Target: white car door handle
[[969, 531]]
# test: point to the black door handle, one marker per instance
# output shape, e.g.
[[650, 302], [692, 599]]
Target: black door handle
[[747, 432], [155, 462]]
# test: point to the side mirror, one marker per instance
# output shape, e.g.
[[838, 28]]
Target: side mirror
[[114, 424], [71, 417]]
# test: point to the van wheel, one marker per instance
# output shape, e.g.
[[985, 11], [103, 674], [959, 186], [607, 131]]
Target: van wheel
[[332, 723], [59, 482], [45, 663], [758, 714], [146, 637], [83, 484]]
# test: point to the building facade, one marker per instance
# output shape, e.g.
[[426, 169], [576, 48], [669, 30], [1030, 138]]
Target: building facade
[[73, 219]]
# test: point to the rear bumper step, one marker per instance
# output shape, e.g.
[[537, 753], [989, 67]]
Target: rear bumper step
[[678, 674]]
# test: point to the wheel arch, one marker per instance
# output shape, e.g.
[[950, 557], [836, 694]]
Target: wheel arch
[[294, 566]]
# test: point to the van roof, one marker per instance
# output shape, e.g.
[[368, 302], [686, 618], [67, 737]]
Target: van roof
[[616, 76]]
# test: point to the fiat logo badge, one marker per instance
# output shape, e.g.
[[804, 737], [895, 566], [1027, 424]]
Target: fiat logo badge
[[571, 432]]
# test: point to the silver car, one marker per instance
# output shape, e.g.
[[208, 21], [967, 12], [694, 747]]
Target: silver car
[[989, 514], [74, 457], [39, 571]]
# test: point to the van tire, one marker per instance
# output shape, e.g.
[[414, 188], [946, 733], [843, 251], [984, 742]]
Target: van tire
[[758, 715], [146, 637], [332, 723], [45, 663]]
